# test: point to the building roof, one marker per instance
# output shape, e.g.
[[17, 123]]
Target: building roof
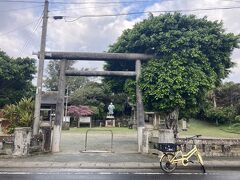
[[49, 98]]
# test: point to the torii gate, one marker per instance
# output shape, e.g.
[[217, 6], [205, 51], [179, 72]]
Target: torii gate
[[64, 56]]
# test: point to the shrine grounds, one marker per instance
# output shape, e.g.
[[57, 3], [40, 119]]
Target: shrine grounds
[[124, 155]]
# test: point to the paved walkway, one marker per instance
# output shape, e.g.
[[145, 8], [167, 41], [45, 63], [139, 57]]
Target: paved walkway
[[124, 155]]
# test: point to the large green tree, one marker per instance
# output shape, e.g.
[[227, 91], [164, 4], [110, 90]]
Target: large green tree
[[193, 55], [51, 81], [16, 75]]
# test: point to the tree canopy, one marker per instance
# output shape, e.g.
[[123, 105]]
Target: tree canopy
[[51, 82], [16, 75], [91, 94], [193, 57], [228, 94]]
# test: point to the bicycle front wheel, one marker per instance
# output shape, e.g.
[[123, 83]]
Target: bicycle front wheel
[[165, 163]]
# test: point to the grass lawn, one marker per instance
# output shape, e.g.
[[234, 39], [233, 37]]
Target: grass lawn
[[207, 130], [115, 130], [195, 127]]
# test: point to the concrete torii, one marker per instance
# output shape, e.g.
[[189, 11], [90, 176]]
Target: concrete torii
[[90, 56]]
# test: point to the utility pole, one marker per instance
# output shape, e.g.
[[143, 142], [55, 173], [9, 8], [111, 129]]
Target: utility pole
[[40, 71]]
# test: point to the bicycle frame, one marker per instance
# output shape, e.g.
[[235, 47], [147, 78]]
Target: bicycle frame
[[169, 161], [185, 157]]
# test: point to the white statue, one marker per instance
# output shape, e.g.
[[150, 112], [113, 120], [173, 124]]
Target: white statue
[[111, 107]]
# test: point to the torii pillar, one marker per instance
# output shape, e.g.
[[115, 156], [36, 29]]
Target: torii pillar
[[59, 108], [140, 108]]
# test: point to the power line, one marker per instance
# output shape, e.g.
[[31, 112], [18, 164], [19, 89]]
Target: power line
[[17, 28], [89, 2], [93, 2], [108, 2], [120, 2], [145, 12], [28, 40], [92, 7], [3, 11], [9, 1]]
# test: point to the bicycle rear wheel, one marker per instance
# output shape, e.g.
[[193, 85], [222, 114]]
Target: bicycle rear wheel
[[165, 163], [200, 161]]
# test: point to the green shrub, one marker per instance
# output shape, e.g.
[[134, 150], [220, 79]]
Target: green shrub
[[236, 125], [19, 115], [237, 119], [221, 115], [235, 128]]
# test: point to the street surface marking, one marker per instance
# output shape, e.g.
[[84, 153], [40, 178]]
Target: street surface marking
[[102, 173]]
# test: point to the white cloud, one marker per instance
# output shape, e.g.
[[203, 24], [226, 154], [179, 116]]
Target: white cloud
[[87, 34], [229, 17], [96, 34]]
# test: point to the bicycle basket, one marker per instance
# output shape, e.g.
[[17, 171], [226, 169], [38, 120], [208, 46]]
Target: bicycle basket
[[166, 147]]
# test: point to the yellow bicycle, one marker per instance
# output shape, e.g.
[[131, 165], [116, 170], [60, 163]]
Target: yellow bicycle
[[174, 155]]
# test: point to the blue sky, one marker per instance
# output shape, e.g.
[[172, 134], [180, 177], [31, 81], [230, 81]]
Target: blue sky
[[20, 30]]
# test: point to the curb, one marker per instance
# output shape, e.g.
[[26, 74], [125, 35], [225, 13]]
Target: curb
[[124, 165]]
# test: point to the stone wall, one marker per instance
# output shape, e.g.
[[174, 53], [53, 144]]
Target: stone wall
[[213, 146], [22, 143], [207, 146], [6, 145]]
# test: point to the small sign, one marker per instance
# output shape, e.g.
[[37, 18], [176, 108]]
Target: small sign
[[86, 119], [66, 119], [110, 117], [184, 125]]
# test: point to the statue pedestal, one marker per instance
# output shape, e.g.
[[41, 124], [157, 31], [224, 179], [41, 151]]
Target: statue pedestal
[[110, 121]]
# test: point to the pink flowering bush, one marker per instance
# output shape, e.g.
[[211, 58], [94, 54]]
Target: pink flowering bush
[[78, 111]]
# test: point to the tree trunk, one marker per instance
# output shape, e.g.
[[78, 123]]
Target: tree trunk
[[214, 100], [171, 121]]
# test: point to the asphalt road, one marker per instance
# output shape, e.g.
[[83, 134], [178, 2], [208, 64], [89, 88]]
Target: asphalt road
[[117, 175]]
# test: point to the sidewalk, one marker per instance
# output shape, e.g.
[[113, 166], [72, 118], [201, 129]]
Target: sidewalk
[[125, 156], [107, 161]]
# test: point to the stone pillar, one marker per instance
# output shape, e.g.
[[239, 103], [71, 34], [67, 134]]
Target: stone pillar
[[166, 136], [146, 137], [184, 125], [47, 137], [22, 138], [156, 121], [66, 123]]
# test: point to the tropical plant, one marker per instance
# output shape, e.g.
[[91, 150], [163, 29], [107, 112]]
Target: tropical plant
[[19, 115]]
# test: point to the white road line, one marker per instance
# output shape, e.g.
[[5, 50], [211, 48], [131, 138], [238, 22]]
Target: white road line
[[100, 173]]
